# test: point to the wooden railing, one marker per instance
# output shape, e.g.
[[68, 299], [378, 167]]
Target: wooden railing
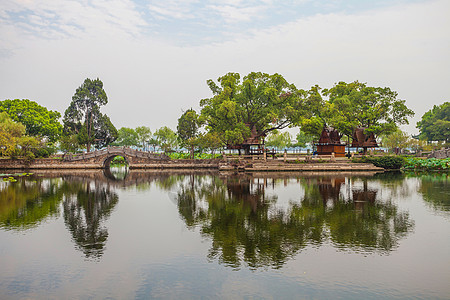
[[114, 151]]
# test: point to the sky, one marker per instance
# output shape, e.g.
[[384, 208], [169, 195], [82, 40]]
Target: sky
[[154, 57]]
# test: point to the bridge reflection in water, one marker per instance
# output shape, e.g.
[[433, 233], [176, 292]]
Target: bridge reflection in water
[[248, 218]]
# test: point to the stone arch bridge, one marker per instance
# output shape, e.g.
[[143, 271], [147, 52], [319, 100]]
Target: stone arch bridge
[[101, 159]]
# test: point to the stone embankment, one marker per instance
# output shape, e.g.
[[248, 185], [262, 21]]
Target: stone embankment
[[281, 166], [214, 164], [134, 163]]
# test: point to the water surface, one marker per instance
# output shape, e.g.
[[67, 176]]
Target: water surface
[[140, 235]]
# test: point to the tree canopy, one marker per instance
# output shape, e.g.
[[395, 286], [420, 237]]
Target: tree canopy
[[260, 103], [352, 105], [10, 133], [167, 138], [144, 135], [355, 104], [38, 120], [83, 117], [435, 124], [188, 130], [127, 137]]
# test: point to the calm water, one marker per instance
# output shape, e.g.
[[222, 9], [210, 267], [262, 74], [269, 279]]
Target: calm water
[[141, 235]]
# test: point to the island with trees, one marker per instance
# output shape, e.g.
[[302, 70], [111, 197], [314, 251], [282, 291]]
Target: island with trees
[[245, 120]]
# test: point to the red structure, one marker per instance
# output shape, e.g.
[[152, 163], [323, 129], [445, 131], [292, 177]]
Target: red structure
[[330, 142], [363, 140]]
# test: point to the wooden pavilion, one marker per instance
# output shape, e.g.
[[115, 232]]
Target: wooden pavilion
[[330, 142], [363, 140]]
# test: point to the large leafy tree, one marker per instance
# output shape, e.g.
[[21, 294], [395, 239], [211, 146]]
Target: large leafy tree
[[144, 135], [38, 120], [84, 119], [188, 130], [435, 124], [260, 103], [10, 134], [127, 137], [167, 138], [355, 104], [396, 140], [14, 140]]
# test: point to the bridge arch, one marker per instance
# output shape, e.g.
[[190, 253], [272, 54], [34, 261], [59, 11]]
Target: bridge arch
[[109, 159]]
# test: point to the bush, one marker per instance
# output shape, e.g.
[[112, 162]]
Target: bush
[[118, 160], [30, 155], [386, 162]]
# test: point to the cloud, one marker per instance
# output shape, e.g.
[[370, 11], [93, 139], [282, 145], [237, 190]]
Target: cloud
[[233, 14], [149, 81], [69, 18]]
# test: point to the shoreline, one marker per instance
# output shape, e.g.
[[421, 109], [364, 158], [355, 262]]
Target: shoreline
[[216, 164]]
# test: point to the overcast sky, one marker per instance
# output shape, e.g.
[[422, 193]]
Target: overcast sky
[[154, 57]]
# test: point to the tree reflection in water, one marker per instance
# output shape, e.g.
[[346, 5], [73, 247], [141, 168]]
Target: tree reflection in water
[[435, 191], [27, 203], [86, 203], [84, 212], [247, 228], [240, 214]]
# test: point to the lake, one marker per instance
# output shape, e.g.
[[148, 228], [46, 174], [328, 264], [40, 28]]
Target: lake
[[123, 234]]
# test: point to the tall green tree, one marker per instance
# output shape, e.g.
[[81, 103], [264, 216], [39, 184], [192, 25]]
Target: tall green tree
[[355, 104], [38, 120], [435, 124], [167, 138], [302, 139], [127, 137], [144, 135], [397, 139], [188, 130], [260, 103], [84, 119], [10, 134]]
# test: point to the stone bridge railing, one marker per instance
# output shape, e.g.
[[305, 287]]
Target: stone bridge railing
[[123, 151]]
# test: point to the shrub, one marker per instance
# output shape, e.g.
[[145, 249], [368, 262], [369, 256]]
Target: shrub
[[386, 162]]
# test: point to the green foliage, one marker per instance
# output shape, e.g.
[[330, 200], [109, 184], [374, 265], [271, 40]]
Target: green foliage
[[144, 135], [166, 138], [187, 129], [84, 119], [209, 141], [127, 137], [10, 133], [279, 140], [37, 119], [428, 164], [14, 142], [397, 139], [386, 162], [260, 102], [435, 124], [118, 160], [302, 139], [355, 104]]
